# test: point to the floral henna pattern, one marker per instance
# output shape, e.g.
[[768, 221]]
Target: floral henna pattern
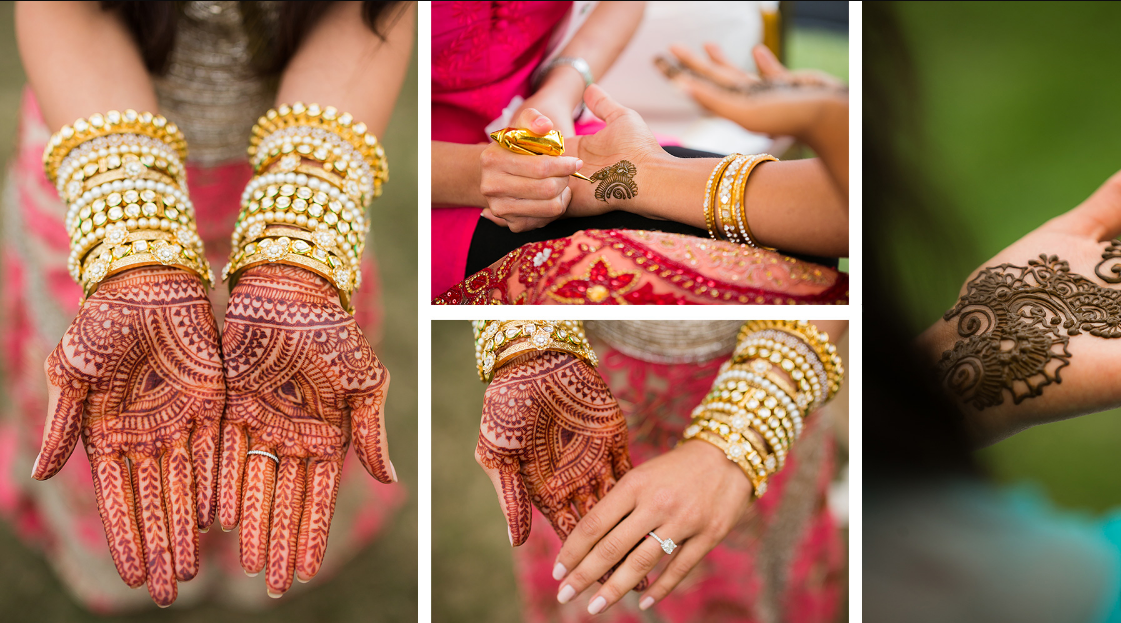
[[139, 377], [616, 181], [551, 435], [302, 381], [1016, 322]]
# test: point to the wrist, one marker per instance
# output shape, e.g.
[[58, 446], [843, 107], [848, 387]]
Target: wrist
[[564, 86], [717, 464]]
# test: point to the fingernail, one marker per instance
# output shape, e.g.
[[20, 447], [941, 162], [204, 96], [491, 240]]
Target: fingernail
[[393, 470], [274, 595], [225, 529], [597, 605], [204, 530], [252, 575], [566, 593], [301, 580], [510, 535], [559, 571], [35, 467], [646, 603], [164, 606]]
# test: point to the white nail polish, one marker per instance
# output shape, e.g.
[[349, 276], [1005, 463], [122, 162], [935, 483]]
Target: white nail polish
[[559, 571], [274, 595], [252, 575], [566, 593], [301, 580], [204, 530], [35, 467], [597, 605], [510, 535], [163, 606], [393, 471], [646, 602]]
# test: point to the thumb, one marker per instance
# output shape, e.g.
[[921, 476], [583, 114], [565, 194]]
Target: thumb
[[504, 471], [368, 429], [601, 104], [767, 63], [66, 404], [531, 119], [1099, 217]]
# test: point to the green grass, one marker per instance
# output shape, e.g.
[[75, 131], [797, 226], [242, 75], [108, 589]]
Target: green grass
[[1019, 106], [380, 583]]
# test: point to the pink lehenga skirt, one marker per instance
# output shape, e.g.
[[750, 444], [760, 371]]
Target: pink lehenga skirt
[[38, 300], [625, 267], [784, 561]]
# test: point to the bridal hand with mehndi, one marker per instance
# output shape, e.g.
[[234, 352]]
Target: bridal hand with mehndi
[[302, 381], [138, 376]]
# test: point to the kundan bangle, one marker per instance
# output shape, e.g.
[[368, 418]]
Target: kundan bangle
[[499, 341], [317, 170], [123, 177], [711, 193]]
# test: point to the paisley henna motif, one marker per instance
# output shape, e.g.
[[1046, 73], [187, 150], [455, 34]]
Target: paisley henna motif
[[302, 379], [139, 376], [1016, 322], [616, 181], [552, 435]]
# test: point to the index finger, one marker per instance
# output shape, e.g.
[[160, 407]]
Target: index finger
[[593, 526]]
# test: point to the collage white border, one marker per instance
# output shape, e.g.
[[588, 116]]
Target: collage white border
[[429, 313]]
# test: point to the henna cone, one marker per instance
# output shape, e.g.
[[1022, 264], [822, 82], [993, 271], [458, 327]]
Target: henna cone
[[319, 507]]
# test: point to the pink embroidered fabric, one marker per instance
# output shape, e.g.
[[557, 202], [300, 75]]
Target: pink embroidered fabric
[[482, 56], [38, 300], [622, 267], [784, 561]]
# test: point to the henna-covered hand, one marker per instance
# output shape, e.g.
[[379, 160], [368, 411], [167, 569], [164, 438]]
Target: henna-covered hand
[[302, 379], [1035, 324], [551, 435], [139, 377]]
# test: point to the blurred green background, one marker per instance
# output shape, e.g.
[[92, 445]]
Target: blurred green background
[[1019, 106], [380, 583]]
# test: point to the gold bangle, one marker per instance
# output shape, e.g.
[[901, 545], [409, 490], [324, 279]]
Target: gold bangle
[[499, 341], [816, 340], [738, 454], [282, 249], [113, 122], [711, 191], [146, 248], [739, 208]]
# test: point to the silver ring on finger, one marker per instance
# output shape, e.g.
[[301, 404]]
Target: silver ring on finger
[[667, 545], [273, 456]]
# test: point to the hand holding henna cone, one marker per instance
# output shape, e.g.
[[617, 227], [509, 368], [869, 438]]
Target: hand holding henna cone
[[302, 379], [138, 376]]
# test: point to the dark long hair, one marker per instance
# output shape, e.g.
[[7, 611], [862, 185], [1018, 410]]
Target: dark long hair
[[910, 428], [153, 25]]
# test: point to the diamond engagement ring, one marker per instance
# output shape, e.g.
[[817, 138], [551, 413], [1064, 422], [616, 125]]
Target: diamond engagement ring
[[667, 545], [277, 459]]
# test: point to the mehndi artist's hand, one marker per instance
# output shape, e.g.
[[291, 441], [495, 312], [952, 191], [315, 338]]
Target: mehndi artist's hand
[[551, 435], [301, 379], [139, 377], [792, 108], [1020, 380], [692, 494], [526, 192]]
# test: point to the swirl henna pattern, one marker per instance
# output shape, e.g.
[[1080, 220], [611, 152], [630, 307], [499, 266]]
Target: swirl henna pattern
[[616, 181], [302, 380], [551, 435], [1016, 322], [139, 376]]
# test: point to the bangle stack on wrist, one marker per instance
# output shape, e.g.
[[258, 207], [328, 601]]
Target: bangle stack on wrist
[[316, 172], [499, 341], [123, 177], [725, 212], [781, 370]]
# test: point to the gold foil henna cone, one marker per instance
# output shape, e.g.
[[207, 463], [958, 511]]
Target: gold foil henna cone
[[527, 143]]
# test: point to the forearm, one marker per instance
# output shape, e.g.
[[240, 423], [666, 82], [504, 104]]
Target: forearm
[[599, 42], [342, 63], [80, 60], [456, 175], [791, 205], [830, 140]]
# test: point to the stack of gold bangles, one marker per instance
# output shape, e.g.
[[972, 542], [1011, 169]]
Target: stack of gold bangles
[[725, 212], [316, 172], [499, 341], [122, 176], [780, 371]]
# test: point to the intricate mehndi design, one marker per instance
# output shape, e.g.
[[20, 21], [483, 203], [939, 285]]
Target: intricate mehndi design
[[557, 438], [1016, 323], [616, 181], [140, 377], [302, 379]]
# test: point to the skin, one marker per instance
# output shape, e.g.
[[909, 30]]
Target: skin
[[1078, 236], [692, 494], [91, 64], [485, 176]]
